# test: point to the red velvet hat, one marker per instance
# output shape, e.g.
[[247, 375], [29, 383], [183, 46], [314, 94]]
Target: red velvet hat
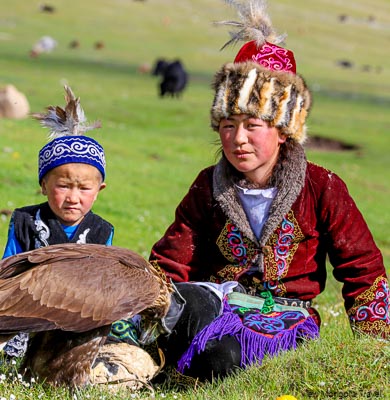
[[269, 55]]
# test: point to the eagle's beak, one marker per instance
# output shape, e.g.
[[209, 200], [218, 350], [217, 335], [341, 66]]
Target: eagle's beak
[[151, 329], [150, 332]]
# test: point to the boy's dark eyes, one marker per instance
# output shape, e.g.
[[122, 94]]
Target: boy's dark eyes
[[247, 125], [255, 122], [227, 125], [84, 188]]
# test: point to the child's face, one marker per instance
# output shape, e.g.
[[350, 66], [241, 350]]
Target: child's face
[[71, 190], [250, 145]]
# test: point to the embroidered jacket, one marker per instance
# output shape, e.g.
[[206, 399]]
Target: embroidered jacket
[[36, 226], [312, 217]]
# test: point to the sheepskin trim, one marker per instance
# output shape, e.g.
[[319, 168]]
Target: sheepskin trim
[[292, 178], [279, 97]]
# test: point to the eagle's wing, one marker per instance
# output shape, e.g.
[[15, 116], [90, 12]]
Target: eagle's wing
[[73, 287]]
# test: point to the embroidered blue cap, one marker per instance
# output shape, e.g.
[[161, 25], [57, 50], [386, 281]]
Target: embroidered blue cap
[[68, 145], [71, 149]]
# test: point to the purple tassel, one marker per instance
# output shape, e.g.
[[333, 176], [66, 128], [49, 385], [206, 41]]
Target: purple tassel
[[254, 346], [226, 324]]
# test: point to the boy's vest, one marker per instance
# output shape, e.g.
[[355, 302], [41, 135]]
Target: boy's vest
[[37, 226]]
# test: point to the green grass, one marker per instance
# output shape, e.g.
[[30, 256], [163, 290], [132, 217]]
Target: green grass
[[155, 147]]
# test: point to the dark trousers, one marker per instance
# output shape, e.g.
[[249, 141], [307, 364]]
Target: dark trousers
[[220, 357]]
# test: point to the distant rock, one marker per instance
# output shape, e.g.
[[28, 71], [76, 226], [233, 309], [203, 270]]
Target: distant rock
[[13, 104]]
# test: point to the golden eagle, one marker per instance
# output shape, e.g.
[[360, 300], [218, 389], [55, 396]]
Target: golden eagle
[[67, 296]]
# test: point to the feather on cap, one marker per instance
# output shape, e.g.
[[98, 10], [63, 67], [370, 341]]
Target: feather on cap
[[70, 120], [255, 23], [261, 39], [68, 143]]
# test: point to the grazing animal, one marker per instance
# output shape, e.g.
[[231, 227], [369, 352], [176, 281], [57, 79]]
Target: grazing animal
[[74, 44], [67, 296], [174, 77], [6, 212], [45, 44], [99, 45], [159, 67], [47, 8], [144, 68], [345, 63]]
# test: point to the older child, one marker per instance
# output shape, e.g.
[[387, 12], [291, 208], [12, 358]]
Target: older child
[[71, 174], [253, 232]]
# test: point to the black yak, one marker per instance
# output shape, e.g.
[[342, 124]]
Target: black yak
[[174, 77]]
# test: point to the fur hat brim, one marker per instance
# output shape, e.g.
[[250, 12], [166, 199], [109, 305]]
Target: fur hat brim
[[278, 97]]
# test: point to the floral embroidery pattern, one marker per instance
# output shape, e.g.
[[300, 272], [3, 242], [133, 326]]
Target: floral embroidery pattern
[[284, 243], [234, 246], [371, 311], [71, 148], [276, 287], [274, 57], [83, 237]]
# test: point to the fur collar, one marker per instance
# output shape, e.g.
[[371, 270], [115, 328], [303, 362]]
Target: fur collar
[[292, 181]]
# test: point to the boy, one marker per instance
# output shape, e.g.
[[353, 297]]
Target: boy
[[71, 171]]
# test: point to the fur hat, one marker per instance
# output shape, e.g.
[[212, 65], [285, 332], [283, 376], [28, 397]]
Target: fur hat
[[262, 81], [68, 144]]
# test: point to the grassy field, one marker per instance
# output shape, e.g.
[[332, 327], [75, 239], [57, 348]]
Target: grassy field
[[155, 147]]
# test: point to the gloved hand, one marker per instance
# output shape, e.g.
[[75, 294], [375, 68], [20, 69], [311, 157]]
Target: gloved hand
[[166, 324], [175, 310]]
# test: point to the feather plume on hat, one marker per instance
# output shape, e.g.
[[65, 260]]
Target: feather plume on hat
[[262, 81], [68, 121], [255, 23], [68, 144]]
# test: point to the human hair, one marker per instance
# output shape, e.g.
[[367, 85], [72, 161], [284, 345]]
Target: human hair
[[277, 176]]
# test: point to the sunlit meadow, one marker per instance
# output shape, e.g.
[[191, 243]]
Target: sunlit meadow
[[155, 148]]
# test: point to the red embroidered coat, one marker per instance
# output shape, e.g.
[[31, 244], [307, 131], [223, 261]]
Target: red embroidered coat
[[312, 216]]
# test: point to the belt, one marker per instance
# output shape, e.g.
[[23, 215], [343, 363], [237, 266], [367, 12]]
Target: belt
[[293, 302], [279, 300]]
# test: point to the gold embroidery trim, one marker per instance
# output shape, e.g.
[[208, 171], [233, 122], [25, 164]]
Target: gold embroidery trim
[[270, 263]]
